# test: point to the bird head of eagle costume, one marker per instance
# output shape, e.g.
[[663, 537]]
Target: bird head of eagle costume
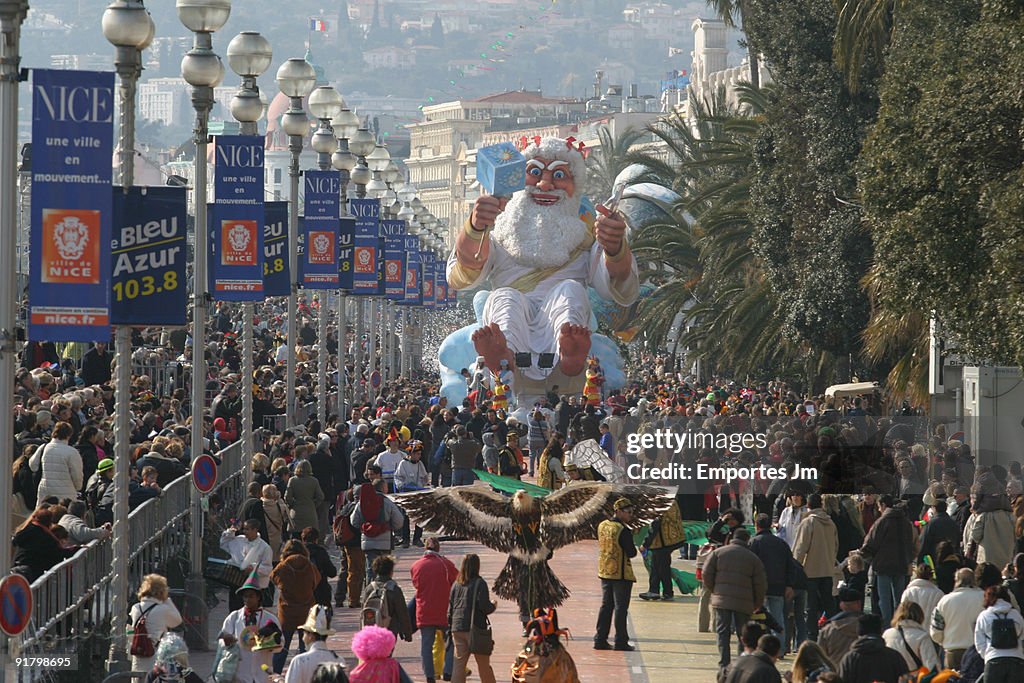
[[530, 529]]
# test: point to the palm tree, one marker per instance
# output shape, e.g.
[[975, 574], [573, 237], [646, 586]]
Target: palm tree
[[729, 11], [705, 261], [863, 30], [608, 160], [900, 339]]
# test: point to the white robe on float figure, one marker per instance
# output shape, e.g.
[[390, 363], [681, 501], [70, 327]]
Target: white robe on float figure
[[542, 257]]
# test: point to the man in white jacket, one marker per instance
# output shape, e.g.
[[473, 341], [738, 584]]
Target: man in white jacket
[[952, 624], [248, 552]]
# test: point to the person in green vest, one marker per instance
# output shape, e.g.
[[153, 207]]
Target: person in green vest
[[666, 535], [615, 569]]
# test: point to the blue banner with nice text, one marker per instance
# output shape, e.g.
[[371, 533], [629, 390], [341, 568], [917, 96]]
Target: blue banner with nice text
[[320, 228], [236, 221], [366, 246], [149, 253], [412, 295], [427, 264], [72, 144], [394, 259], [346, 249], [275, 249]]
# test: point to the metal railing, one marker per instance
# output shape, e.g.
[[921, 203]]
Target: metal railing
[[72, 601]]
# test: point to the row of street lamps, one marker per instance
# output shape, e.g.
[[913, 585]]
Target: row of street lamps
[[339, 141]]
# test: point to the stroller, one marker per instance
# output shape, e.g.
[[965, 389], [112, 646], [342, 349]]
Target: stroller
[[544, 658]]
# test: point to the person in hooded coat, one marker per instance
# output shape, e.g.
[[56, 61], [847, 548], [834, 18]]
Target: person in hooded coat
[[296, 578]]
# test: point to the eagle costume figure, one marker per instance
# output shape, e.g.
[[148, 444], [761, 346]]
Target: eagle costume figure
[[529, 529]]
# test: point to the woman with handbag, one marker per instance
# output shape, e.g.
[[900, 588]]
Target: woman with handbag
[[468, 607]]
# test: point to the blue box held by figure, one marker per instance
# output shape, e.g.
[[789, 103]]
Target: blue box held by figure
[[501, 169]]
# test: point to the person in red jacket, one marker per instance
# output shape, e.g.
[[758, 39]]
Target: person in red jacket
[[432, 576]]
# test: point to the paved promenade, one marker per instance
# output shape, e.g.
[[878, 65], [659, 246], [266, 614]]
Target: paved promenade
[[669, 648]]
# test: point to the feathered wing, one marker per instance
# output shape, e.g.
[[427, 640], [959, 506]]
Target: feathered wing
[[465, 511], [573, 513]]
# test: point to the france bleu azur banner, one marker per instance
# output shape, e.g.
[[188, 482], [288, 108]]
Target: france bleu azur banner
[[346, 251], [412, 270], [149, 253], [72, 145], [275, 249], [236, 221], [320, 262], [366, 245], [393, 236]]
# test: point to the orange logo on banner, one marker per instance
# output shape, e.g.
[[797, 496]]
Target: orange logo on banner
[[364, 260], [391, 270], [71, 247], [321, 247], [428, 288], [238, 243], [410, 278]]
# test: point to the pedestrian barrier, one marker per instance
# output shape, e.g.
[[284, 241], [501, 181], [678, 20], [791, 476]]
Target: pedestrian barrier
[[72, 602]]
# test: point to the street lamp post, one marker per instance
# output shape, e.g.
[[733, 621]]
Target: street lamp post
[[12, 14], [345, 125], [249, 55], [324, 103], [295, 79], [360, 144], [202, 69], [129, 28]]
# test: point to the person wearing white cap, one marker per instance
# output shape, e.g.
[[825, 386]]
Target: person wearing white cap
[[314, 633]]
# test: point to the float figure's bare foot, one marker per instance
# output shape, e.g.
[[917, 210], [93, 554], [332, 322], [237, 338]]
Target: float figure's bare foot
[[573, 347], [490, 343]]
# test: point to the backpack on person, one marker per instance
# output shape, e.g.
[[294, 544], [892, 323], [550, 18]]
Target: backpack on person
[[142, 644], [1004, 632], [376, 611], [344, 533]]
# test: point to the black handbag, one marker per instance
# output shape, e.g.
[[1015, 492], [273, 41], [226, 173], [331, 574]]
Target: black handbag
[[481, 640]]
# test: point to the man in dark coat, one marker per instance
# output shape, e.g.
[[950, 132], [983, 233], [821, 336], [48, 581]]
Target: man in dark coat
[[736, 579], [941, 527], [96, 365], [777, 559], [759, 665], [869, 659]]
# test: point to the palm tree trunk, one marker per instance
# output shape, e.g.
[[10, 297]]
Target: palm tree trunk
[[755, 69]]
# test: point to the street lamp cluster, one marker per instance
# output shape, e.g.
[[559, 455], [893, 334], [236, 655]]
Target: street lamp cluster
[[341, 140]]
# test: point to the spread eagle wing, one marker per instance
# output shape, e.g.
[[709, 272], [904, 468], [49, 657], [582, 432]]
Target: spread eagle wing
[[465, 511], [574, 512]]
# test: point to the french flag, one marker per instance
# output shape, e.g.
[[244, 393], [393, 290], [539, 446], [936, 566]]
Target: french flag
[[318, 25]]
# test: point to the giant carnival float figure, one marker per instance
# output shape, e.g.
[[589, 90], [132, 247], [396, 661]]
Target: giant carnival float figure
[[539, 260]]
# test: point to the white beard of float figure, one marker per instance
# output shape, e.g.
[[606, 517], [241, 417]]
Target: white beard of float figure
[[539, 261]]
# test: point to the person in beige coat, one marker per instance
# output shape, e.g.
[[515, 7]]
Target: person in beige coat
[[303, 497], [275, 513], [815, 548]]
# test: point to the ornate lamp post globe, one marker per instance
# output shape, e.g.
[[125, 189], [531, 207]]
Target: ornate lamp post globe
[[345, 124], [379, 158], [344, 160], [295, 78], [406, 192], [392, 173], [325, 103], [361, 143], [361, 175], [406, 214], [203, 16], [126, 23], [249, 54], [376, 187]]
